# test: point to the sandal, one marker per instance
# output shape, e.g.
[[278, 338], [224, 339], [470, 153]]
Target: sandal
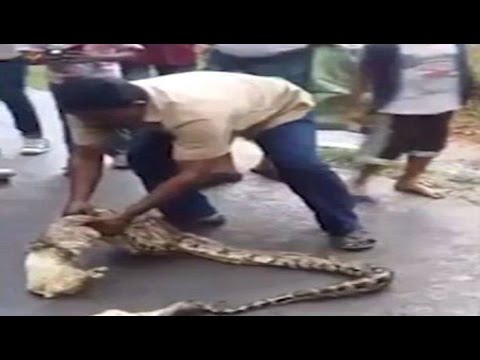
[[365, 199], [358, 240]]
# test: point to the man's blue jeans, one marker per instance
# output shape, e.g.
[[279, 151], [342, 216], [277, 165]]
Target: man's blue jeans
[[292, 148]]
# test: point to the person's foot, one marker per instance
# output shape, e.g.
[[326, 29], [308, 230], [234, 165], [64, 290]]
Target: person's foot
[[365, 199], [6, 174], [34, 146], [120, 162], [358, 240], [214, 220], [419, 189]]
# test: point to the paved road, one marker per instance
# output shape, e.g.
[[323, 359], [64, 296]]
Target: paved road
[[432, 245]]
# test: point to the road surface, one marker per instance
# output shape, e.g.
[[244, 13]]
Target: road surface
[[433, 246]]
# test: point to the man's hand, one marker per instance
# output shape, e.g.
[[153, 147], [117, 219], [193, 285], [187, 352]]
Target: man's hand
[[110, 225], [78, 208], [193, 175]]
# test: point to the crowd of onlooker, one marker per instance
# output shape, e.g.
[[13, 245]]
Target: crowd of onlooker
[[133, 62], [414, 89], [178, 128]]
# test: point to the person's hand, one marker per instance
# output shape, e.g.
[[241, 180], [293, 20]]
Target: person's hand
[[110, 225], [355, 116], [78, 208], [202, 49]]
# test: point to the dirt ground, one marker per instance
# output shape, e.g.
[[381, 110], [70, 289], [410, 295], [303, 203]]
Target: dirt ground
[[466, 126]]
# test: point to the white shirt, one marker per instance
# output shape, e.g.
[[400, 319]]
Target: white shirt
[[430, 82], [257, 50]]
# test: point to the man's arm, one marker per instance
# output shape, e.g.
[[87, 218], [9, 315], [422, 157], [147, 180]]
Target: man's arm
[[201, 148], [86, 171], [193, 175], [360, 87], [360, 99]]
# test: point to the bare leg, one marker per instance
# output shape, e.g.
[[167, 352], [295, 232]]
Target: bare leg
[[410, 181], [366, 172]]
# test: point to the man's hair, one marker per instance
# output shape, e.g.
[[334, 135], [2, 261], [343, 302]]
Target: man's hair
[[98, 94]]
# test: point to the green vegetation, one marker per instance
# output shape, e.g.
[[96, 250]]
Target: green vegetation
[[37, 78]]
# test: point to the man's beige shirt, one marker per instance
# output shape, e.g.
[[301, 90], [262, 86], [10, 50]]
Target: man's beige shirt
[[205, 110]]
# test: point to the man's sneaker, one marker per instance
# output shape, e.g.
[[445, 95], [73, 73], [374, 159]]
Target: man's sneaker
[[120, 162], [214, 220], [35, 146], [358, 240], [6, 174]]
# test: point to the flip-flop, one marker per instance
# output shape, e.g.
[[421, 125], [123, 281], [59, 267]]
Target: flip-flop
[[357, 241], [365, 199], [6, 175]]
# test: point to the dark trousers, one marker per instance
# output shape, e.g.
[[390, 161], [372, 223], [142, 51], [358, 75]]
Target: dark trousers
[[417, 135], [292, 148], [13, 74], [293, 66]]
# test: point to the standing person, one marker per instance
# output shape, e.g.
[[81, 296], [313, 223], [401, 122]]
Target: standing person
[[418, 88], [76, 61], [189, 121], [332, 74], [165, 59], [13, 75], [287, 61], [291, 62]]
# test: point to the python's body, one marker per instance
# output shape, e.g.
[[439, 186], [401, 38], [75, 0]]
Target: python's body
[[52, 270]]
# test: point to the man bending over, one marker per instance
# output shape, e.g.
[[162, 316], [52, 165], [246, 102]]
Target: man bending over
[[188, 122]]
